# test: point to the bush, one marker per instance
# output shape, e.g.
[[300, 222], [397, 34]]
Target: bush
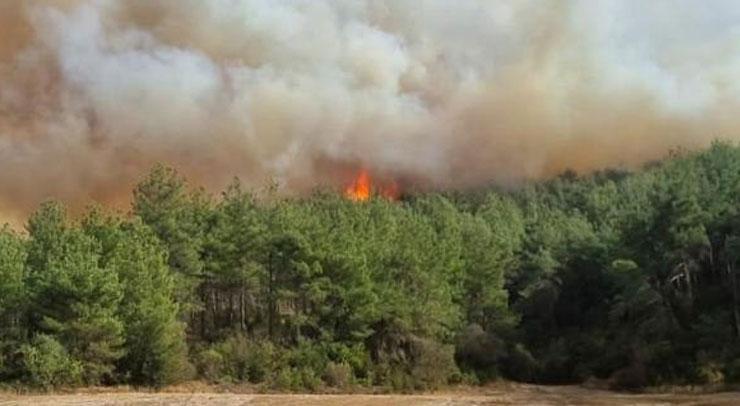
[[309, 380], [210, 364], [301, 368], [556, 363], [295, 379], [338, 375], [520, 365], [46, 364], [632, 377], [433, 364], [355, 356], [479, 352], [308, 355], [416, 364], [3, 361], [396, 376], [732, 371], [400, 380], [236, 352], [238, 359], [284, 379], [709, 371]]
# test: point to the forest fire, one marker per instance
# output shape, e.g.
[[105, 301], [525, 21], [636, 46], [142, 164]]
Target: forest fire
[[359, 189], [363, 188]]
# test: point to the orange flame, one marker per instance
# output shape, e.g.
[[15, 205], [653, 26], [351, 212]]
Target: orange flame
[[359, 190], [363, 187]]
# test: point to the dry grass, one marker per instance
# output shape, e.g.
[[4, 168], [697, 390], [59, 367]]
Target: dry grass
[[499, 394]]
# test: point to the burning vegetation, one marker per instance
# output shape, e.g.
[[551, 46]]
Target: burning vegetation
[[364, 186], [460, 95]]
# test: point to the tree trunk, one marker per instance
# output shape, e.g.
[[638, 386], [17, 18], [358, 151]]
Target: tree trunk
[[242, 315], [231, 308], [203, 310], [214, 311], [270, 298], [735, 302], [689, 284]]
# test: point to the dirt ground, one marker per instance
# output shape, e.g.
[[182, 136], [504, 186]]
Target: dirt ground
[[501, 395]]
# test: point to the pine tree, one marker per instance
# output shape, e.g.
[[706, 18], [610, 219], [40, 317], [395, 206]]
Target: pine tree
[[13, 297], [177, 217], [155, 346], [75, 301]]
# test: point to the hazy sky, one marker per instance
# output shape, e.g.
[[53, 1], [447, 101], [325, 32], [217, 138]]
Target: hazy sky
[[438, 93]]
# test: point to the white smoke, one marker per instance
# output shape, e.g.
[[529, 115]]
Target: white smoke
[[443, 93]]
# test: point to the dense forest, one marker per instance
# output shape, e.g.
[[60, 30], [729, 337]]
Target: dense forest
[[625, 276]]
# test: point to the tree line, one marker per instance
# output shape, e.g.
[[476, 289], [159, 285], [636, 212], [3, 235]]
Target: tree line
[[625, 276]]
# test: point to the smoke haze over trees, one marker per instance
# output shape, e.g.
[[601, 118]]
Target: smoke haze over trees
[[517, 231], [624, 276], [440, 94]]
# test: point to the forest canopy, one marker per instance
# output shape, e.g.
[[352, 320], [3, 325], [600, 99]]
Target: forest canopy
[[625, 276]]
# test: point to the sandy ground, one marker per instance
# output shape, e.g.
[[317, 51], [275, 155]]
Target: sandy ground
[[510, 395]]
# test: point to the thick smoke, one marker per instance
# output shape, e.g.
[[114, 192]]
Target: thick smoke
[[441, 93]]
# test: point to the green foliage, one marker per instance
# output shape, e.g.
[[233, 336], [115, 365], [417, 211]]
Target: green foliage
[[295, 379], [210, 365], [12, 274], [155, 348], [13, 297], [246, 361], [480, 352], [46, 364], [627, 277], [521, 364], [433, 365], [177, 217], [338, 375], [75, 300]]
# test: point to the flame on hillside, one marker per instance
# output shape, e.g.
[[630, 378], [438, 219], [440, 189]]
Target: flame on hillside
[[363, 187]]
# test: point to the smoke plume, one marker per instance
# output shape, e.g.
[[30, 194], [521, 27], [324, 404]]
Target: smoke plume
[[441, 93]]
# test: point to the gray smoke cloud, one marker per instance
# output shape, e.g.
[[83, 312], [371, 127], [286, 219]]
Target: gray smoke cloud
[[435, 93]]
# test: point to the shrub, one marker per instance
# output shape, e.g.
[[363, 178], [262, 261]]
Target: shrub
[[338, 375], [479, 352], [400, 380], [309, 380], [238, 359], [308, 355], [236, 352], [295, 379], [284, 379], [416, 363], [355, 356], [732, 371], [520, 364], [709, 371], [46, 364], [629, 378], [3, 360], [210, 364], [433, 364]]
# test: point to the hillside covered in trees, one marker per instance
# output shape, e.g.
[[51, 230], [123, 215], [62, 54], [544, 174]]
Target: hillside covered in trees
[[630, 277]]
